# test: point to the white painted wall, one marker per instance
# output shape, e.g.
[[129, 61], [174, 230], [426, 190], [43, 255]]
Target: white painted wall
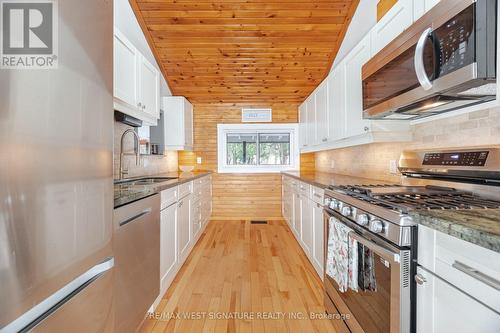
[[126, 22], [363, 21]]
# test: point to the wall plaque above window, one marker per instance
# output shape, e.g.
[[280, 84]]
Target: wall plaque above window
[[256, 115]]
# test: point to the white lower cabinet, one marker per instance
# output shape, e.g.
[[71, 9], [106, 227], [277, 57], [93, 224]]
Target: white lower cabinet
[[168, 244], [185, 211], [306, 235], [442, 308], [318, 250], [458, 285], [184, 230], [296, 215], [303, 211]]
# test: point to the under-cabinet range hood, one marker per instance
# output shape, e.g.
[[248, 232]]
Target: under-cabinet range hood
[[444, 61]]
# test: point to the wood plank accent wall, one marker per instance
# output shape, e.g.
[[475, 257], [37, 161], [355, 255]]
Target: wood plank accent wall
[[308, 162], [235, 196], [383, 7]]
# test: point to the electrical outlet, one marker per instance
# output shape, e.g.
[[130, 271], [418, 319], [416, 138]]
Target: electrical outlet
[[393, 167], [332, 164], [198, 160]]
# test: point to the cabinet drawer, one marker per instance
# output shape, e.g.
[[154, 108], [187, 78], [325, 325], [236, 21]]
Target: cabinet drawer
[[304, 189], [168, 197], [469, 267], [201, 182], [317, 194], [185, 189]]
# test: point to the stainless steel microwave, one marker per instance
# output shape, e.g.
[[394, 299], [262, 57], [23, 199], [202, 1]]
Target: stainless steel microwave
[[446, 60]]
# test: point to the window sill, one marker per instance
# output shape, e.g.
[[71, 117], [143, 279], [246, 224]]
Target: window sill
[[253, 170]]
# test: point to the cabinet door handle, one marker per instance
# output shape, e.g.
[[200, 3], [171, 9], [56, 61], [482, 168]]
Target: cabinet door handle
[[317, 195], [325, 140], [139, 104], [474, 273]]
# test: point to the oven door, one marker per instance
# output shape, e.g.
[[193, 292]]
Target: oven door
[[387, 307]]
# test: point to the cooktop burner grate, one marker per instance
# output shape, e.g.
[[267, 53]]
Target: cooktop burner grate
[[404, 199]]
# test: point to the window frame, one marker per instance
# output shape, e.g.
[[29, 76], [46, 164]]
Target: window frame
[[224, 129]]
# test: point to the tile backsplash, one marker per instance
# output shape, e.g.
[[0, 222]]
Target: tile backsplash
[[480, 128], [150, 164]]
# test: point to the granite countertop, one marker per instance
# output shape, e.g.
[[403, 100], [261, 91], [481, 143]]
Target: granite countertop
[[325, 179], [477, 226], [126, 193]]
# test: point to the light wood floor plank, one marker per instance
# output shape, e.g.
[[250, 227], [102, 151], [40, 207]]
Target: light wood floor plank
[[241, 268]]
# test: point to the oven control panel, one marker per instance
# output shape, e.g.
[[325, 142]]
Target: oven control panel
[[469, 158]]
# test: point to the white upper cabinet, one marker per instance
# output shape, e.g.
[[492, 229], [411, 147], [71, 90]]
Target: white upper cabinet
[[150, 88], [303, 126], [394, 22], [311, 121], [188, 125], [333, 114], [125, 70], [420, 7], [176, 124], [136, 82], [336, 103], [354, 61], [322, 133]]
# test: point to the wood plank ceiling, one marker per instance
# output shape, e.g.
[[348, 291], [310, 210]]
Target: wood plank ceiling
[[251, 51]]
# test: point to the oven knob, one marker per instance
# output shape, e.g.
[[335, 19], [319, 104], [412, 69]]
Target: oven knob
[[376, 226], [327, 202], [362, 219], [346, 211], [334, 204]]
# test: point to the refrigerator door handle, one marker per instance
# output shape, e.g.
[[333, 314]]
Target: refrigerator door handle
[[48, 306]]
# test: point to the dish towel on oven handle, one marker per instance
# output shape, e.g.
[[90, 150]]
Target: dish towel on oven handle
[[342, 256], [366, 269]]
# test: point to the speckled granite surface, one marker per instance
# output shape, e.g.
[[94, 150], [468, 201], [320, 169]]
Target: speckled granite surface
[[125, 193], [477, 226], [324, 179]]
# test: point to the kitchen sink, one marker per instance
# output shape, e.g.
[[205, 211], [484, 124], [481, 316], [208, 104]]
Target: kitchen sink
[[144, 181]]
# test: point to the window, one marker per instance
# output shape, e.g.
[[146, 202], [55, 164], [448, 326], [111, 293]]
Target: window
[[257, 147]]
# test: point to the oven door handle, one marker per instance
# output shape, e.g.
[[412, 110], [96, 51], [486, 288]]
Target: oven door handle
[[380, 250], [422, 77]]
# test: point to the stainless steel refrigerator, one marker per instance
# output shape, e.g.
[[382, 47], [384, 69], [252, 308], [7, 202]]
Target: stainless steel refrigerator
[[56, 194]]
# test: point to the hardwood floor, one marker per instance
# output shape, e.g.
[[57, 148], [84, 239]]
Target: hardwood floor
[[239, 270]]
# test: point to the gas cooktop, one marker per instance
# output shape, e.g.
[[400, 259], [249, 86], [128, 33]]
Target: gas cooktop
[[406, 198]]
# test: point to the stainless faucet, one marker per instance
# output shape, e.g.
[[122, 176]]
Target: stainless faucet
[[136, 151]]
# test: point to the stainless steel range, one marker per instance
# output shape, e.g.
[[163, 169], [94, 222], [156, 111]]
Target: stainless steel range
[[380, 219]]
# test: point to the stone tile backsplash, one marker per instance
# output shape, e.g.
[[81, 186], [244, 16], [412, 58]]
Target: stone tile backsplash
[[480, 128], [150, 164]]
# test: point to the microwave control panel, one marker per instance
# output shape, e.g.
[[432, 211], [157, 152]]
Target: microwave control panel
[[469, 158], [454, 41]]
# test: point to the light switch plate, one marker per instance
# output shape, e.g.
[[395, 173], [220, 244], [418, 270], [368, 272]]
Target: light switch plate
[[198, 160], [393, 167], [332, 164]]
